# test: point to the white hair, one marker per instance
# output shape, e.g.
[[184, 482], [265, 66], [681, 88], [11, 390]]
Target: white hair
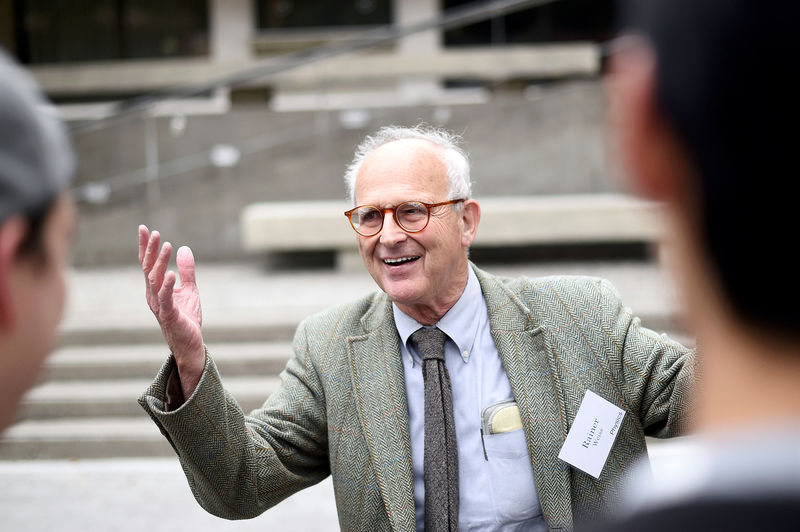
[[454, 158]]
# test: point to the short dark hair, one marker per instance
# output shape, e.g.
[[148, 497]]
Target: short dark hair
[[728, 83]]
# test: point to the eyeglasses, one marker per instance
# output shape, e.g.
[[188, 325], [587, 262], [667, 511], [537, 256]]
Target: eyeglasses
[[411, 216]]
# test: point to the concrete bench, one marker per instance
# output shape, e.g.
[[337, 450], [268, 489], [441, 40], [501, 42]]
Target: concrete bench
[[283, 227]]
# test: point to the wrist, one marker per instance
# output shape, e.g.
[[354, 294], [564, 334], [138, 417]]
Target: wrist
[[190, 366]]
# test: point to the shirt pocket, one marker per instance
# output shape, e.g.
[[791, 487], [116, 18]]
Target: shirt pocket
[[507, 445], [510, 472]]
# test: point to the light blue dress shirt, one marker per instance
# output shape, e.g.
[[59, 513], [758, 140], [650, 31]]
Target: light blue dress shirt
[[496, 489]]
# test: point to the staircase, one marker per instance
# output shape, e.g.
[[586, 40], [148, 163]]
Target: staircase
[[85, 405]]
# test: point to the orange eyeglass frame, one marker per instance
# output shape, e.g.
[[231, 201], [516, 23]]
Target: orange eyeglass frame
[[393, 210]]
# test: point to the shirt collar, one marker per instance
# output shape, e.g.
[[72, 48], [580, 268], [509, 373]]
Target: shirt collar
[[460, 323]]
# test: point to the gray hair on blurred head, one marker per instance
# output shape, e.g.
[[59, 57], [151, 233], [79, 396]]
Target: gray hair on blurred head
[[454, 158]]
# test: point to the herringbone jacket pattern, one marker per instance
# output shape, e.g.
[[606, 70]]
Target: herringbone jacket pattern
[[341, 408]]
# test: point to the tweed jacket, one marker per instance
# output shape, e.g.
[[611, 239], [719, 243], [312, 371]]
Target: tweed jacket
[[341, 408]]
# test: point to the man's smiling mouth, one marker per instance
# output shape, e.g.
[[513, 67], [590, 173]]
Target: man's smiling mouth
[[400, 260]]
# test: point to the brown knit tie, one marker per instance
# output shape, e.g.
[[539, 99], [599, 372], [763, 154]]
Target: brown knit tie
[[441, 449]]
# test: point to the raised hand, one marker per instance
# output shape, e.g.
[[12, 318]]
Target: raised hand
[[177, 309]]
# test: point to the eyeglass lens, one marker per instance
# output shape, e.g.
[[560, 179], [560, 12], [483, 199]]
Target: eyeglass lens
[[411, 215]]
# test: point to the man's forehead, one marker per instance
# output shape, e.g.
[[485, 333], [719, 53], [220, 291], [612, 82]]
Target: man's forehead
[[388, 186]]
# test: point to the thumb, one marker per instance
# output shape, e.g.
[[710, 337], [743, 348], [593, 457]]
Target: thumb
[[185, 260]]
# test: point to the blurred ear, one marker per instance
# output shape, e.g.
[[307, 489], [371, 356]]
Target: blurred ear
[[12, 234], [652, 159], [470, 218]]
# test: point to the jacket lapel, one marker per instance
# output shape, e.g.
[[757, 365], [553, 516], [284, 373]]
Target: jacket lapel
[[379, 386], [532, 373]]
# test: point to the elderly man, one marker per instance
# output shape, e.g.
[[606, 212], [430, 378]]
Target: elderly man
[[706, 106], [36, 226], [440, 402]]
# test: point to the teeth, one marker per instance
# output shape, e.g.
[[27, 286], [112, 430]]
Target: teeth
[[399, 261]]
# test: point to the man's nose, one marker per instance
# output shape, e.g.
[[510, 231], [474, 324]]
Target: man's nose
[[391, 233]]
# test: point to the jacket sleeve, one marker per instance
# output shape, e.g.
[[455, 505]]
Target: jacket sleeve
[[654, 374], [239, 465]]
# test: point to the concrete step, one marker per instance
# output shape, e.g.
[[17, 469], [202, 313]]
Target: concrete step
[[114, 437], [107, 398], [104, 437], [280, 331], [96, 362]]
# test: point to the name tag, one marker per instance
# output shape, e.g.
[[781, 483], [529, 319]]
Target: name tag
[[592, 434]]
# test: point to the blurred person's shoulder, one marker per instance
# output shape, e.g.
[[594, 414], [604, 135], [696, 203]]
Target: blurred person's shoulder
[[702, 515], [737, 480]]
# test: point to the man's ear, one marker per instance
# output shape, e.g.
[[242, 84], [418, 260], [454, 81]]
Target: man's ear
[[12, 235], [470, 218], [649, 151]]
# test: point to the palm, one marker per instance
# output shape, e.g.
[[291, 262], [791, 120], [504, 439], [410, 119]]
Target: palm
[[187, 300], [182, 325]]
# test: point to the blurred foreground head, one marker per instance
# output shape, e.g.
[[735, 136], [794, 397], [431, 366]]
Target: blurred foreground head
[[36, 227], [706, 94]]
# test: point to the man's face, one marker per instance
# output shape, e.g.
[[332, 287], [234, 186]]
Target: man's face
[[38, 292], [433, 262]]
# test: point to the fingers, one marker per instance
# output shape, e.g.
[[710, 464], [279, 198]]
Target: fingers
[[156, 276], [185, 260], [150, 252], [144, 236], [165, 295]]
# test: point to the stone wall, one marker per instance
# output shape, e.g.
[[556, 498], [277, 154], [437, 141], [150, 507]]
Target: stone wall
[[543, 139]]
